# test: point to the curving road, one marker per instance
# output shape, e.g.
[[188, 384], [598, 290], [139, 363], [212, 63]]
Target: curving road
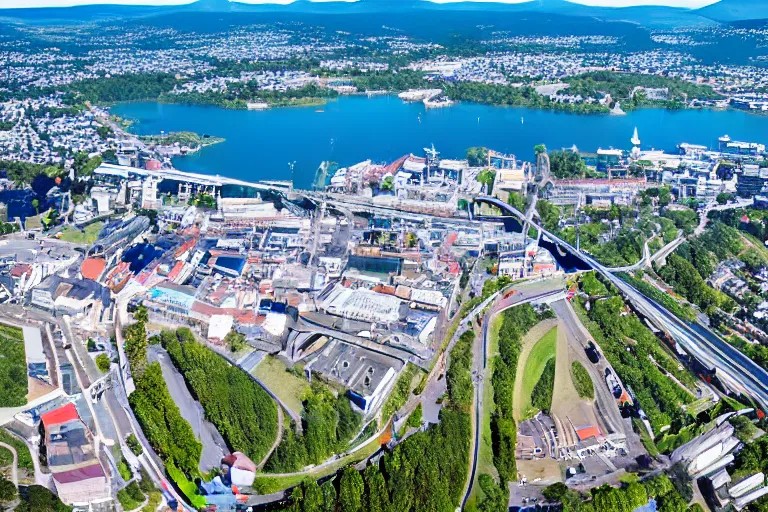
[[542, 291], [734, 369], [15, 466]]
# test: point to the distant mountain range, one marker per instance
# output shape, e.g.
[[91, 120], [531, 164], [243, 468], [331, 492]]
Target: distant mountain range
[[651, 16]]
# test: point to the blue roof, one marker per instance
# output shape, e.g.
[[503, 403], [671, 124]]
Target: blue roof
[[230, 264]]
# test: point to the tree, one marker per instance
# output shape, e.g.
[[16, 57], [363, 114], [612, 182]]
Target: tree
[[351, 489], [136, 346], [567, 164], [376, 494], [134, 445], [486, 177], [141, 314], [7, 490], [235, 341], [39, 499], [665, 196], [313, 497], [329, 496], [36, 205], [50, 218], [496, 496], [539, 149], [516, 200], [723, 197], [477, 156], [103, 363]]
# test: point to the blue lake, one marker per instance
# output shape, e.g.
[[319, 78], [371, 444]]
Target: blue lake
[[261, 144]]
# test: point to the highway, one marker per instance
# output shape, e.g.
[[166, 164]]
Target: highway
[[734, 369]]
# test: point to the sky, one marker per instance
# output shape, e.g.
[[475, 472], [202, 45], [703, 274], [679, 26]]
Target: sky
[[693, 4]]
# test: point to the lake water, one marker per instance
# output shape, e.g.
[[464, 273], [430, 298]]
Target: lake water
[[261, 144]]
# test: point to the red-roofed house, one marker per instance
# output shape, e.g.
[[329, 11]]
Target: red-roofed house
[[588, 432], [72, 458], [60, 415]]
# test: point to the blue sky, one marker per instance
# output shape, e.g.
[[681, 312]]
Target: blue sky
[[602, 3]]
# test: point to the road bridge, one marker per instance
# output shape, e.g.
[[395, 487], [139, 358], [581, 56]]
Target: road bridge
[[735, 370]]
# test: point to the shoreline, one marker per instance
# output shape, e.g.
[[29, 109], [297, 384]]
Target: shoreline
[[321, 101]]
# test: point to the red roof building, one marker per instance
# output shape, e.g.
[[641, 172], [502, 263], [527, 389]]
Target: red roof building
[[92, 268], [60, 415], [73, 458]]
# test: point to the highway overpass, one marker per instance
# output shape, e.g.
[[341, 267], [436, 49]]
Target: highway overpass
[[736, 371]]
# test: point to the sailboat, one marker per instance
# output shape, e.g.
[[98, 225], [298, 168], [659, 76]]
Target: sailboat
[[635, 138], [522, 120]]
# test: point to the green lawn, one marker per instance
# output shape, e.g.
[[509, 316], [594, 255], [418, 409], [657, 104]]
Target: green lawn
[[88, 235], [6, 457], [543, 351], [13, 367], [288, 387]]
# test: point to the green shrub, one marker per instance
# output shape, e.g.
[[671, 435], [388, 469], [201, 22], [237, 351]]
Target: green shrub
[[541, 396], [515, 323], [124, 470], [130, 497], [22, 450], [134, 445], [13, 367], [103, 363], [242, 411], [167, 431], [414, 420], [188, 488], [582, 381]]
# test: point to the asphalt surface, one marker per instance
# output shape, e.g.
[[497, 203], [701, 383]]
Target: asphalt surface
[[524, 292], [578, 337], [214, 447], [732, 366]]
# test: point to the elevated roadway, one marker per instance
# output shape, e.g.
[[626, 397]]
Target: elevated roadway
[[735, 370]]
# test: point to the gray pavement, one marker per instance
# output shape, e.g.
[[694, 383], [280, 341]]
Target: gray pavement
[[214, 447], [578, 338]]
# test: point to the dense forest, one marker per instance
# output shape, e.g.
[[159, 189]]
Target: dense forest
[[167, 431], [567, 164], [328, 422], [622, 87], [242, 411], [427, 471], [134, 87], [515, 323], [626, 498]]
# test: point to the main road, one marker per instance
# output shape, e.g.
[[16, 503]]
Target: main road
[[735, 370]]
